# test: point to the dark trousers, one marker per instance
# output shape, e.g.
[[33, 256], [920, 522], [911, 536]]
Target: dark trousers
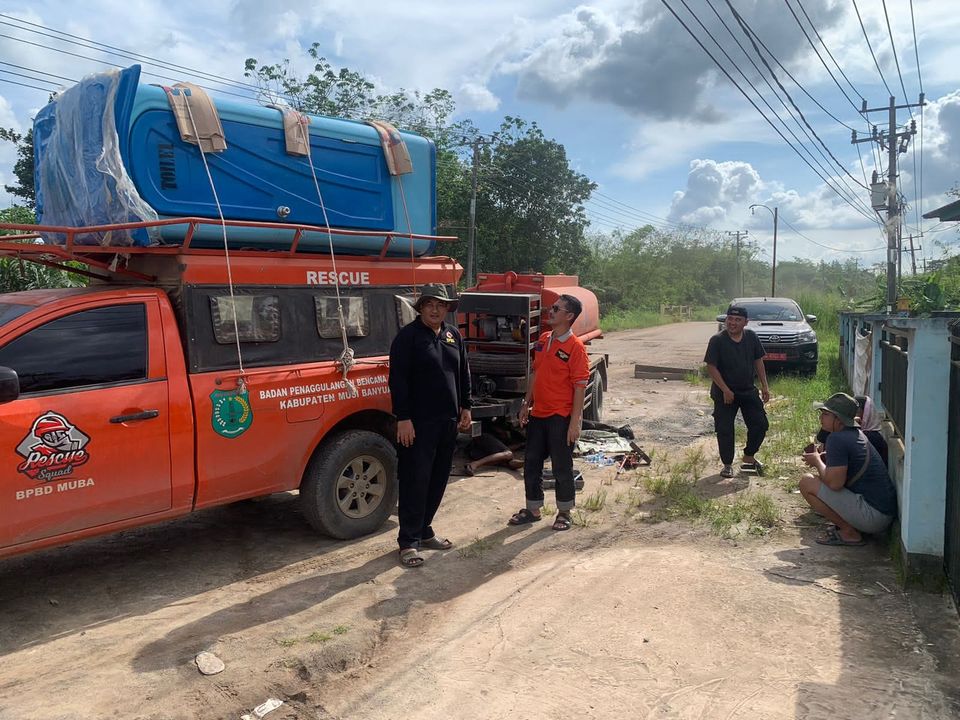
[[750, 406], [547, 437], [423, 470]]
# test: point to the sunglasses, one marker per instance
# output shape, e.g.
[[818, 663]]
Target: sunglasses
[[558, 308]]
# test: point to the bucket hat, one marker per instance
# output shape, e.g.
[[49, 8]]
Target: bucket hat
[[438, 292], [843, 406]]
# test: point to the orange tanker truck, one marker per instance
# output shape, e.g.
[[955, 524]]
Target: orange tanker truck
[[501, 319]]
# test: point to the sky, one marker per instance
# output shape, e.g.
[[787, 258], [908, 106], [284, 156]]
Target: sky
[[640, 107]]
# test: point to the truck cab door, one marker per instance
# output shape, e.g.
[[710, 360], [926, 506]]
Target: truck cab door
[[87, 442]]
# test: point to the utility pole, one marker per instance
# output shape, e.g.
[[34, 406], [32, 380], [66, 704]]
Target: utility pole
[[472, 228], [913, 257], [739, 279], [894, 143]]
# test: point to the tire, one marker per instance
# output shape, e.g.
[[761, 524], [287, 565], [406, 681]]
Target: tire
[[331, 496], [595, 411]]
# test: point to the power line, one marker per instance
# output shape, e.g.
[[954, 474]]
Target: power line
[[28, 77], [896, 60], [827, 247], [72, 39], [867, 37], [916, 54], [830, 54], [750, 100], [103, 62], [38, 72], [820, 57], [35, 87], [857, 202], [751, 35]]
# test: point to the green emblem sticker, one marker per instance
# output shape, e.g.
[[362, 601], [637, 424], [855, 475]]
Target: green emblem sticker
[[232, 413]]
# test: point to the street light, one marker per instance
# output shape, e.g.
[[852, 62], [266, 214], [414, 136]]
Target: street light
[[773, 280]]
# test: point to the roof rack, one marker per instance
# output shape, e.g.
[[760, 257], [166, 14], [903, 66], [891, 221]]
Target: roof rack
[[26, 245]]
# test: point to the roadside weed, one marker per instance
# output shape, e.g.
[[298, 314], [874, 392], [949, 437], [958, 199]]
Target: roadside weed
[[318, 637], [580, 518], [595, 501], [476, 549]]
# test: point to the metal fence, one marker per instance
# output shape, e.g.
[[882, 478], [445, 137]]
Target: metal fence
[[893, 379], [951, 549]]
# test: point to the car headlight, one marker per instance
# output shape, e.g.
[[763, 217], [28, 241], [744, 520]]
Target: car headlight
[[807, 336]]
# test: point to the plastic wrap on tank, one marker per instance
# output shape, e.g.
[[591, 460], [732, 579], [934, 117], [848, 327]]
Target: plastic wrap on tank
[[80, 176]]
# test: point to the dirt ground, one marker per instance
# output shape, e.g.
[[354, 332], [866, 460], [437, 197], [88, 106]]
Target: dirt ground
[[621, 618]]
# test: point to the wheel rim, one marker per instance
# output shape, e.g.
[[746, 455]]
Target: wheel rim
[[361, 485]]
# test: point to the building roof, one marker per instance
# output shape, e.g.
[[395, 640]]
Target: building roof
[[946, 213]]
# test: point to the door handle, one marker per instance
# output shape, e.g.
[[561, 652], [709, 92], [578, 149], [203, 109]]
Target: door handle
[[145, 415]]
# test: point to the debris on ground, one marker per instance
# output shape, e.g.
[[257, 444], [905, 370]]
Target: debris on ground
[[208, 663]]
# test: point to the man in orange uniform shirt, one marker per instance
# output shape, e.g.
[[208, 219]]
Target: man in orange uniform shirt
[[552, 412]]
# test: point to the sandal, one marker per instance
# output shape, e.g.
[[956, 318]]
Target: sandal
[[562, 522], [832, 537], [726, 471], [410, 557], [523, 517], [756, 466], [436, 543]]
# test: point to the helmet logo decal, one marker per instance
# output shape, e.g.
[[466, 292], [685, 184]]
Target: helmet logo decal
[[52, 449]]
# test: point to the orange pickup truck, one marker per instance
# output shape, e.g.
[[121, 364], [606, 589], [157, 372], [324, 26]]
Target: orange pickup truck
[[124, 403]]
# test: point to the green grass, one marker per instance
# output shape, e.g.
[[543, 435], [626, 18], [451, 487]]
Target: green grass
[[476, 549], [676, 488], [595, 501], [635, 319]]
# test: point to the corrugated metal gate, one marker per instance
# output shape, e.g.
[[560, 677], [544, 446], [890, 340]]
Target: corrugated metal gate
[[951, 550], [893, 378]]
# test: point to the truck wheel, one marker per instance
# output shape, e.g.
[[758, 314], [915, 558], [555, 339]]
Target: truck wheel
[[350, 486], [595, 411]]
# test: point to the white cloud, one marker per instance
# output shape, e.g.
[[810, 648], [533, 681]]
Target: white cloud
[[475, 96]]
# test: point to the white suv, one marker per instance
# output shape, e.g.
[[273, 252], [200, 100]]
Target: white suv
[[783, 329]]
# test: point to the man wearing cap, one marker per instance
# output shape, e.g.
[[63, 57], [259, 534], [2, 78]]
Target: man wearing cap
[[734, 358], [430, 389], [852, 488]]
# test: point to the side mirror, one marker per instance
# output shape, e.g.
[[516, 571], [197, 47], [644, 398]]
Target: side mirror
[[721, 318], [9, 385], [811, 319]]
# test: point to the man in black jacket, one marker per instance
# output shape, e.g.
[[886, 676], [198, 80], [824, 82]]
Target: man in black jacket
[[430, 389], [734, 357]]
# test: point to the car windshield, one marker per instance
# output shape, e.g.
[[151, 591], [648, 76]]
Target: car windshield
[[773, 311]]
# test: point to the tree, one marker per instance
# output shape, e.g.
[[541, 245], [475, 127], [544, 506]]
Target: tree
[[530, 213], [17, 274], [23, 169]]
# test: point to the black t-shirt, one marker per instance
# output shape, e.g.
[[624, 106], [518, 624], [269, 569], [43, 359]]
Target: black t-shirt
[[429, 376], [735, 360], [850, 447]]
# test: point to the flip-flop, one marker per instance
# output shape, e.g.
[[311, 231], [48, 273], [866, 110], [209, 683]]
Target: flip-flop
[[562, 522], [523, 517], [436, 543], [410, 557], [832, 537]]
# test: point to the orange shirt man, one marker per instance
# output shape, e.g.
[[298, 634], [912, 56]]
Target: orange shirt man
[[552, 413]]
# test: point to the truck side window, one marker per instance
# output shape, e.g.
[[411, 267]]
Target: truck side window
[[258, 318], [354, 315], [93, 347]]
